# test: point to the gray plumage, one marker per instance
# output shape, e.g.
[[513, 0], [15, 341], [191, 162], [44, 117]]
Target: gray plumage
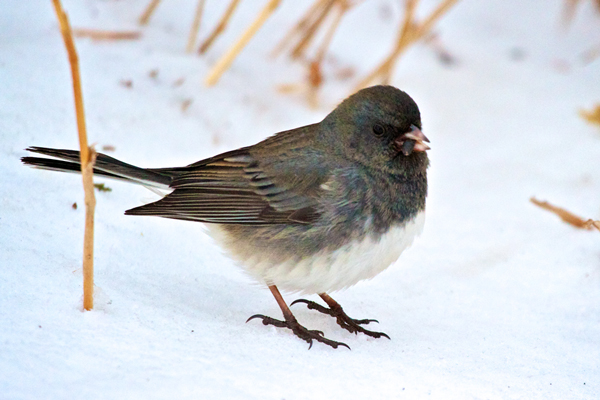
[[309, 197]]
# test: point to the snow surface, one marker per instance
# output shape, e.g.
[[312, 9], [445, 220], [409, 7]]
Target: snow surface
[[497, 299]]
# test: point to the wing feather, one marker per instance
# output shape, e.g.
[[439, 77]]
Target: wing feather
[[246, 186]]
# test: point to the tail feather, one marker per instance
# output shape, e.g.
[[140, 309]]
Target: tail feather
[[104, 166]]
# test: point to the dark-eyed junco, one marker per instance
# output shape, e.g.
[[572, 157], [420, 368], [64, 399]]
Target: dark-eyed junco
[[310, 210]]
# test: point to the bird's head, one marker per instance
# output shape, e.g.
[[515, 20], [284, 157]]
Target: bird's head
[[379, 127]]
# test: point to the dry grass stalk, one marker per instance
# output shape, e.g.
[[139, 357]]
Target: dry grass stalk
[[312, 28], [410, 32], [315, 77], [225, 62], [87, 173], [300, 27], [304, 32], [95, 34], [567, 216], [571, 7], [343, 7], [87, 158], [195, 27], [220, 28], [593, 116], [145, 17]]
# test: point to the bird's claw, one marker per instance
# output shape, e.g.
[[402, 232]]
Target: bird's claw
[[350, 324], [300, 331], [311, 305]]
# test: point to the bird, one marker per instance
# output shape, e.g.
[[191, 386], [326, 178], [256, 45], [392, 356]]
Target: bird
[[311, 210]]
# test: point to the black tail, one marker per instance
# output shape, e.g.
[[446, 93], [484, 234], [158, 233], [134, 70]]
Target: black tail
[[68, 161]]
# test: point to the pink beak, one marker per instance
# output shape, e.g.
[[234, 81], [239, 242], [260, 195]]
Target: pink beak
[[417, 136]]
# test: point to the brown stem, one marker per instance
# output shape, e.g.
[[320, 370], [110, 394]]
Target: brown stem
[[195, 27], [300, 26], [95, 34], [225, 62], [145, 17], [409, 33], [343, 7], [563, 214], [87, 174], [87, 158], [312, 29], [220, 28]]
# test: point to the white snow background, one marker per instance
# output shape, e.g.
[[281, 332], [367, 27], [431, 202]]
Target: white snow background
[[497, 299]]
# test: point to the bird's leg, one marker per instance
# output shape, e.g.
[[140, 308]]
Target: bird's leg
[[335, 310], [290, 322]]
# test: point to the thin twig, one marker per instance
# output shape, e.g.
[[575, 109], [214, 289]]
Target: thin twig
[[402, 41], [300, 26], [320, 14], [145, 17], [565, 215], [195, 26], [87, 158], [342, 9], [427, 25], [220, 28], [409, 33], [225, 62], [315, 77], [312, 29], [106, 35], [87, 173], [409, 16]]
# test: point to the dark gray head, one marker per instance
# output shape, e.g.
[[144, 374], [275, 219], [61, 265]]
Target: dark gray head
[[379, 127]]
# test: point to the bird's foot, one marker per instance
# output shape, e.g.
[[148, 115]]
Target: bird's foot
[[350, 324], [299, 330]]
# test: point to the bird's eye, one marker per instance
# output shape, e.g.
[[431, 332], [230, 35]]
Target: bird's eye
[[378, 130]]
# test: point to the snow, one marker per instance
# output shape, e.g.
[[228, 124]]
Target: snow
[[497, 299]]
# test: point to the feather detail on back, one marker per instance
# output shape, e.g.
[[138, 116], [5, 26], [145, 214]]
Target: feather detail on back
[[234, 188]]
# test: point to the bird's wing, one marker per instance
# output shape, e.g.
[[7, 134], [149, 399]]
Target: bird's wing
[[276, 181]]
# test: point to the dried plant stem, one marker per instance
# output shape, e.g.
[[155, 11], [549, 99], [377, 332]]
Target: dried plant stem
[[384, 71], [312, 28], [315, 76], [322, 12], [220, 28], [300, 26], [566, 216], [225, 62], [409, 33], [195, 26], [145, 17], [87, 158], [106, 35], [342, 9], [87, 173]]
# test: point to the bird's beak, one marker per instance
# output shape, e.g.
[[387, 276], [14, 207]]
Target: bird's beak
[[414, 140]]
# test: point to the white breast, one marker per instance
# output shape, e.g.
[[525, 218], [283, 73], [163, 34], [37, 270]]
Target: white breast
[[327, 272]]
